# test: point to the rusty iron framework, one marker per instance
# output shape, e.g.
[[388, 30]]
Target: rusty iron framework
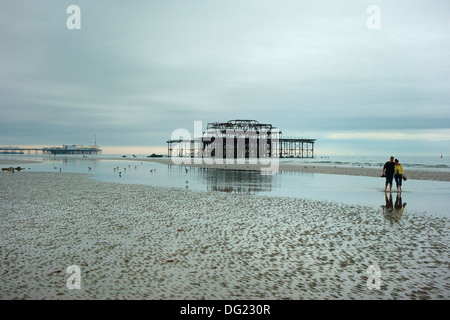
[[297, 148], [251, 133]]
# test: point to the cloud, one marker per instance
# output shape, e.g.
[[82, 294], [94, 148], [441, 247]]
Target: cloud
[[410, 135], [136, 71]]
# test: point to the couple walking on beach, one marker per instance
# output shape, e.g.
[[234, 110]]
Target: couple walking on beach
[[393, 169]]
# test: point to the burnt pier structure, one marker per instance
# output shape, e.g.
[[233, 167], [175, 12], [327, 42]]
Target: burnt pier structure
[[245, 139]]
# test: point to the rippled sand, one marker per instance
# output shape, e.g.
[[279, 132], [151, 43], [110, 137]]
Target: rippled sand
[[144, 242]]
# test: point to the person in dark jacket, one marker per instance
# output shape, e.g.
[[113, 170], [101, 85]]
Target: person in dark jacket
[[388, 172]]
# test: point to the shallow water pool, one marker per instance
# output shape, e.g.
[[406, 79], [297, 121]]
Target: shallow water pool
[[420, 196]]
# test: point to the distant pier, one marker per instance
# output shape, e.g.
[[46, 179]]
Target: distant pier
[[17, 150], [73, 149], [65, 149]]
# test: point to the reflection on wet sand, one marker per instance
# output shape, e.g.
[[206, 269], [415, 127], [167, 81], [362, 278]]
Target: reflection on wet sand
[[429, 196], [237, 181], [392, 212]]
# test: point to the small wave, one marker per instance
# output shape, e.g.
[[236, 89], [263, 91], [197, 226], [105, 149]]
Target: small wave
[[429, 166], [411, 162]]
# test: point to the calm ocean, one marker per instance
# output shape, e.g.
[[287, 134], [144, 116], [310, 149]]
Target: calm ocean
[[412, 162], [421, 195]]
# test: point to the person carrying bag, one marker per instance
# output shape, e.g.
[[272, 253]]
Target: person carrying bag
[[399, 175]]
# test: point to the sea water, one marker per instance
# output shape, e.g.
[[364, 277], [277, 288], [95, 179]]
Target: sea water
[[419, 195], [408, 162]]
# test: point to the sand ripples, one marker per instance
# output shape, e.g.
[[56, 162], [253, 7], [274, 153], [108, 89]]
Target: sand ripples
[[143, 242]]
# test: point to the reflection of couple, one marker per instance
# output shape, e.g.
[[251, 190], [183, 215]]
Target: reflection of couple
[[391, 211], [393, 169]]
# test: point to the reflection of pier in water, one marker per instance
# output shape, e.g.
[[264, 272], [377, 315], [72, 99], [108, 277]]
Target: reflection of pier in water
[[237, 181]]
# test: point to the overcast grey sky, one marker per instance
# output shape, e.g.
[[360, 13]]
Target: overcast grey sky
[[137, 70]]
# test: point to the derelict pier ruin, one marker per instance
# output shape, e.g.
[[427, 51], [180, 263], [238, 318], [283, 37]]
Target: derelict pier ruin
[[241, 139]]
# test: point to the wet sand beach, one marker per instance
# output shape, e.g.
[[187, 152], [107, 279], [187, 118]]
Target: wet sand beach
[[143, 242]]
